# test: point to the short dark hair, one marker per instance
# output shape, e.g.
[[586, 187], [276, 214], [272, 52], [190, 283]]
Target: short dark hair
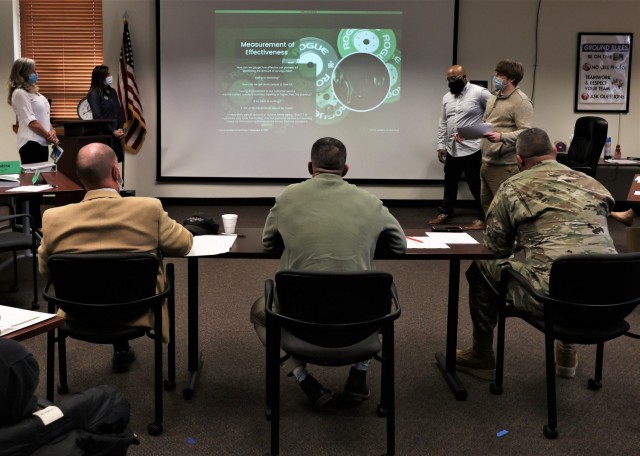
[[511, 69], [329, 154], [533, 142]]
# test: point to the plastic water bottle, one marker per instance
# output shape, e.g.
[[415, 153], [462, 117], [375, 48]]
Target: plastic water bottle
[[618, 155], [607, 148]]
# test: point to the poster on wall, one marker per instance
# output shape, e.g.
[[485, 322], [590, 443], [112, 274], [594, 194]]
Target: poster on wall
[[603, 72]]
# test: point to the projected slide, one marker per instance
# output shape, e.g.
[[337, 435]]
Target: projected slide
[[292, 76], [247, 87]]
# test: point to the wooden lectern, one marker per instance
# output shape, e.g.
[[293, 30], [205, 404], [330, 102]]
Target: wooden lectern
[[78, 133]]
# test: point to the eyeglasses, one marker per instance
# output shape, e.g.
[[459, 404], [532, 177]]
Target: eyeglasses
[[454, 78]]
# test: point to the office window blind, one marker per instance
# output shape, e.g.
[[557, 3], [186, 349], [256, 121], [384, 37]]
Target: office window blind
[[65, 40]]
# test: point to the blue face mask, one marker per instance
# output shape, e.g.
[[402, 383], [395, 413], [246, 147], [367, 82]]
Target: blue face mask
[[33, 78], [498, 83]]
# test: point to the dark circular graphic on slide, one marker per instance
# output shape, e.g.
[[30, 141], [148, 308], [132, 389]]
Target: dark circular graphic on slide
[[361, 82]]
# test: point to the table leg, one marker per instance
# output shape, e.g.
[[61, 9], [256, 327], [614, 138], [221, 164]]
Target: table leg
[[194, 356], [447, 363], [50, 364]]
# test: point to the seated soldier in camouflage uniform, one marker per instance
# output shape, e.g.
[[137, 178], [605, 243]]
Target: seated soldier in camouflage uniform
[[551, 210]]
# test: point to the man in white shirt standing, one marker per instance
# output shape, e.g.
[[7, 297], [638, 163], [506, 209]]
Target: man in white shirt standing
[[462, 106]]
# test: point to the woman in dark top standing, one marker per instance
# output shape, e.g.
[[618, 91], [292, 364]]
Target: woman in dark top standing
[[104, 104]]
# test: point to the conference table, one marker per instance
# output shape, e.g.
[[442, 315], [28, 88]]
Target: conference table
[[61, 186], [64, 190], [248, 245], [634, 190], [47, 326], [615, 176]]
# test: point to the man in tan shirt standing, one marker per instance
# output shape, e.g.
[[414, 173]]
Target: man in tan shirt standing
[[510, 112], [104, 221]]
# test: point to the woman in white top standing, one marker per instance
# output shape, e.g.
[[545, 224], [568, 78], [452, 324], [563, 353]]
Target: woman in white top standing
[[32, 109]]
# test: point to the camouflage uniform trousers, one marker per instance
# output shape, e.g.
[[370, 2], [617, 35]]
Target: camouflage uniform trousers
[[484, 296]]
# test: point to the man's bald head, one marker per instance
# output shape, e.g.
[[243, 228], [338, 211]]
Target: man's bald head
[[97, 167], [456, 71]]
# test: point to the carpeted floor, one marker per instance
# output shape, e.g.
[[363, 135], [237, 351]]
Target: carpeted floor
[[226, 415]]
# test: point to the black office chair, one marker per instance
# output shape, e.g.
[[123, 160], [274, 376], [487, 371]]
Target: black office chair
[[331, 319], [100, 292], [13, 239], [589, 136], [579, 309]]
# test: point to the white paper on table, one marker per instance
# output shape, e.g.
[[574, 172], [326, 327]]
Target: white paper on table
[[423, 242], [622, 161], [447, 237], [211, 244], [475, 131], [30, 188], [636, 193], [13, 319]]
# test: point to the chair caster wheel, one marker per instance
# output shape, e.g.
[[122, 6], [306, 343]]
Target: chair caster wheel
[[594, 385], [35, 305], [381, 411], [154, 429], [63, 389], [169, 385], [549, 433], [187, 393], [495, 389]]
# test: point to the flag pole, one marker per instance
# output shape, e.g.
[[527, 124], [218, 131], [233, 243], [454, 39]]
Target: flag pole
[[125, 20]]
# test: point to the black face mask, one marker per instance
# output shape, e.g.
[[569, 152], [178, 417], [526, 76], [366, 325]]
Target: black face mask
[[456, 87]]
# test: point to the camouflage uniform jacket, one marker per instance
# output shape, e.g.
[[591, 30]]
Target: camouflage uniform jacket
[[552, 211]]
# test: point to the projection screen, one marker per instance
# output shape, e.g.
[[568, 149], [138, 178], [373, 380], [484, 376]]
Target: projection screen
[[245, 88]]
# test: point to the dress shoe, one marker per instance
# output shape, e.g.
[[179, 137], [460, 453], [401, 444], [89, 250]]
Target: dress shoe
[[356, 388], [475, 225], [122, 360], [480, 365], [440, 218], [625, 217], [318, 395]]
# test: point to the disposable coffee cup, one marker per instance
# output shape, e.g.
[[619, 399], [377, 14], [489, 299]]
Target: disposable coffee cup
[[229, 223]]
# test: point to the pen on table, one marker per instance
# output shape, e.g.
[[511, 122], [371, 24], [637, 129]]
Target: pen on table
[[233, 234], [414, 239]]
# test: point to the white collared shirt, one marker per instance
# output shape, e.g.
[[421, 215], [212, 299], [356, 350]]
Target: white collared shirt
[[29, 107], [461, 111]]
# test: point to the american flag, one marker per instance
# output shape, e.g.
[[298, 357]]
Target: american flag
[[129, 97]]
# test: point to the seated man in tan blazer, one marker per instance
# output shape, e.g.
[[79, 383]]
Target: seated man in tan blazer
[[104, 221]]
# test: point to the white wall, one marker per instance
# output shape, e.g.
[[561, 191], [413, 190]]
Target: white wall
[[490, 30], [494, 29]]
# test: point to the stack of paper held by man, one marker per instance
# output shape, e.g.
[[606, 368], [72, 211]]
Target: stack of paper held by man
[[13, 319]]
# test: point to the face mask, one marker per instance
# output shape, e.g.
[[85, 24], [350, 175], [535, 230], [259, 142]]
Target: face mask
[[109, 80], [499, 83], [456, 86], [33, 78]]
